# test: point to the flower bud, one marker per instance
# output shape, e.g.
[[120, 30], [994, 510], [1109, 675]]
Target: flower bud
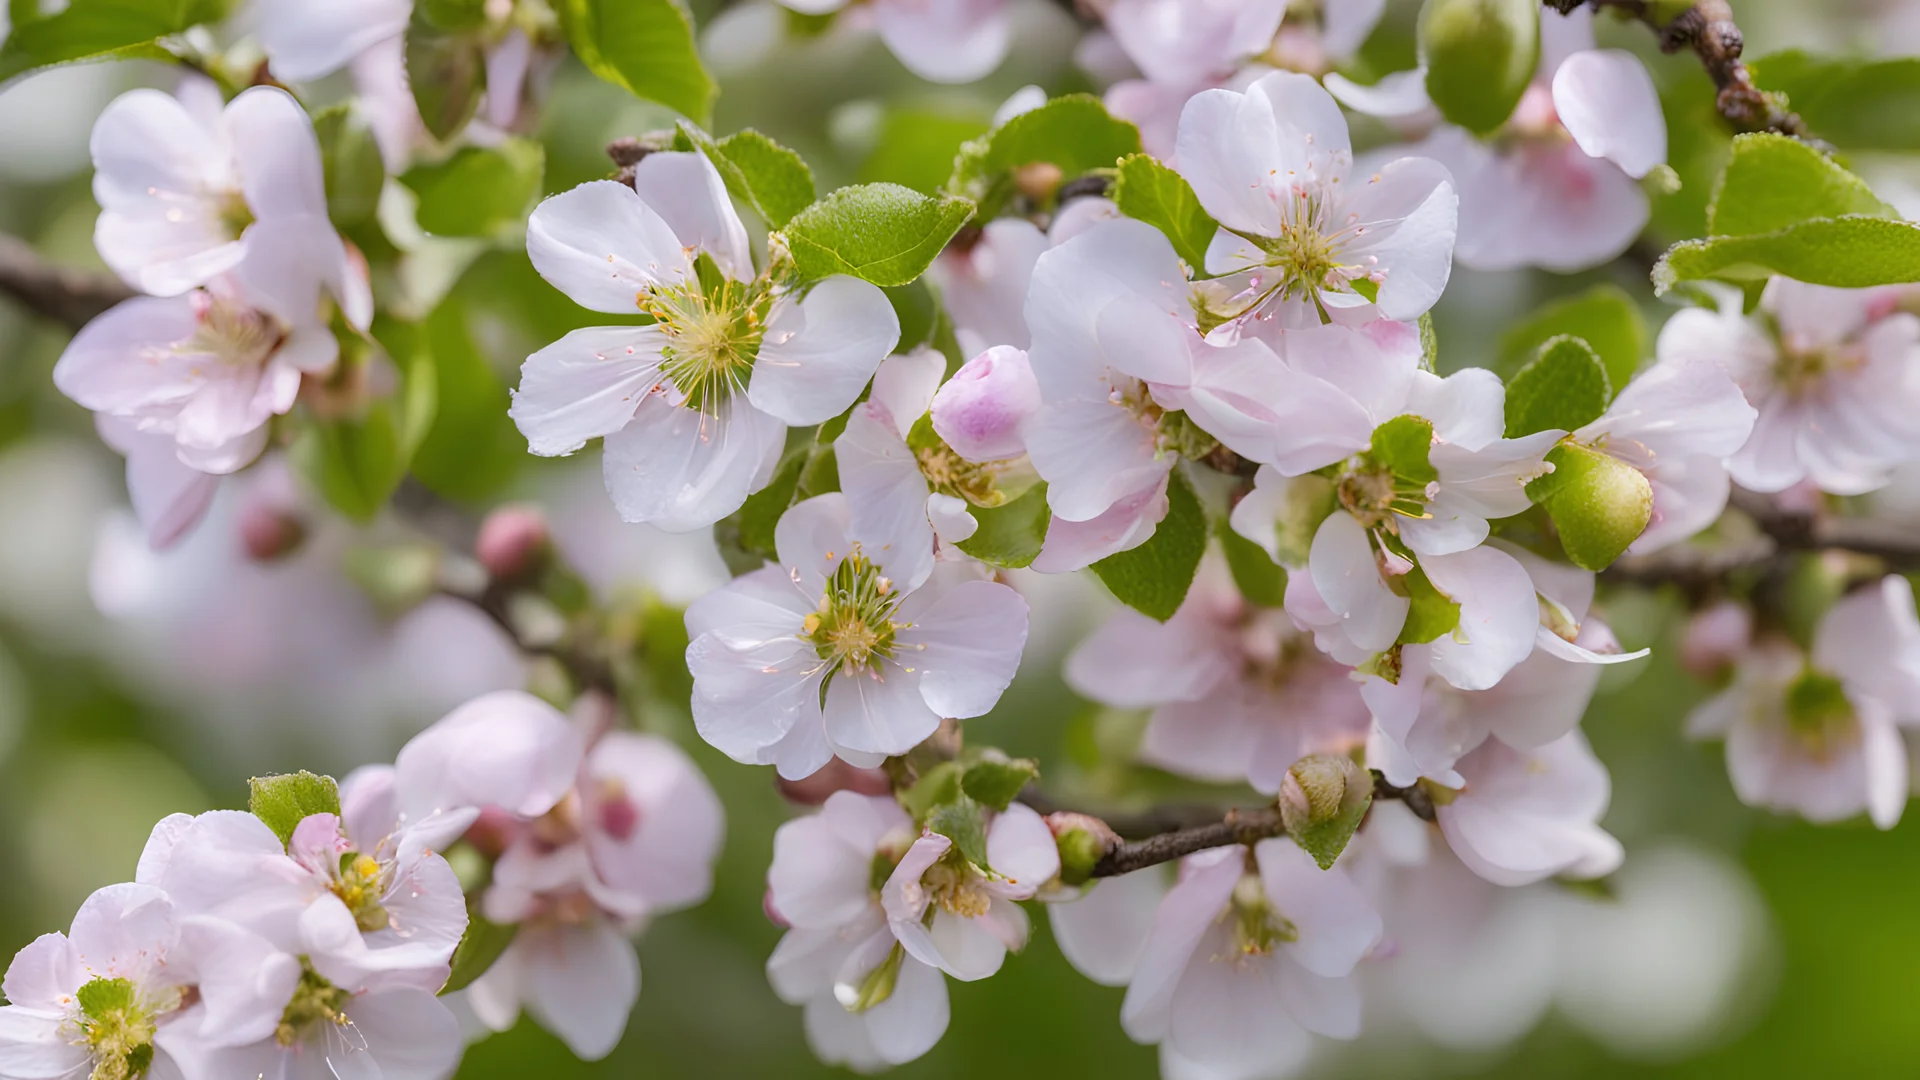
[[514, 543], [1481, 56], [269, 532], [1322, 800], [1599, 504], [835, 775], [981, 411], [1083, 840]]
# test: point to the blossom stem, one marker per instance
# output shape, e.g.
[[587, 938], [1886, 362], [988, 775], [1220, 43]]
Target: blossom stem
[[1237, 827], [64, 295]]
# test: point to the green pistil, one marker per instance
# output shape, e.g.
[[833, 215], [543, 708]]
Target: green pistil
[[714, 326], [1375, 496], [118, 1028], [876, 986], [315, 1001], [360, 886], [1819, 714], [235, 214], [854, 623], [1257, 926]]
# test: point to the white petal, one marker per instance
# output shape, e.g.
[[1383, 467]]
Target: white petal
[[819, 353], [1336, 922], [1347, 575], [603, 246], [1498, 616], [276, 154], [877, 715], [1189, 909], [682, 470], [1608, 103], [507, 749], [1103, 932], [585, 386], [1092, 455], [408, 1033], [953, 42], [306, 41], [969, 644], [582, 983], [1410, 215], [686, 191], [750, 695], [1021, 849], [905, 386], [913, 1017]]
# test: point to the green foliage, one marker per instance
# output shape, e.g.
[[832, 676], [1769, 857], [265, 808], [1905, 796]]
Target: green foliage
[[1774, 181], [284, 801], [1564, 388], [1155, 194], [446, 64], [772, 179], [1605, 317], [1404, 445], [483, 943], [882, 233], [1257, 576], [351, 159], [1010, 534], [1074, 132], [479, 191], [1854, 104], [1598, 503], [746, 536], [1431, 614], [1480, 54], [472, 450], [643, 46], [98, 30], [995, 783], [940, 784], [916, 146], [1309, 500], [958, 819], [1153, 578], [355, 461]]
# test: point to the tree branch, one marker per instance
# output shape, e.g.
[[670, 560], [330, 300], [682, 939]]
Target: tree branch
[[67, 296], [1782, 533], [1707, 27]]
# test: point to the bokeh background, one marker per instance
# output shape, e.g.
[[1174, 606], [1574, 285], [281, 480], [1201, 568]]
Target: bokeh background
[[135, 685]]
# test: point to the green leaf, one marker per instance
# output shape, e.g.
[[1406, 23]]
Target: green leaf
[[1075, 132], [1605, 316], [356, 462], [1481, 56], [940, 784], [644, 46], [483, 943], [1153, 578], [284, 801], [479, 191], [1774, 182], [959, 821], [1853, 103], [746, 536], [1010, 534], [1565, 387], [452, 14], [1429, 343], [1845, 252], [916, 146], [99, 30], [772, 179], [1322, 802], [351, 159], [1598, 503], [1404, 445], [1430, 613], [1258, 577], [1155, 194], [997, 783], [447, 69], [882, 233], [473, 449]]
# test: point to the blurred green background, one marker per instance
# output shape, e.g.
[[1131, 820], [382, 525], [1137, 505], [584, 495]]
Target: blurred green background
[[91, 754]]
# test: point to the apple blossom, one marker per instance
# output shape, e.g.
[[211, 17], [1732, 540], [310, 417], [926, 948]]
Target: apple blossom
[[694, 407], [943, 41], [396, 1034], [982, 411], [1525, 815], [853, 646], [961, 917], [1830, 373]]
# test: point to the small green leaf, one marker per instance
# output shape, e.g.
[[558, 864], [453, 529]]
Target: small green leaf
[[98, 30], [646, 47], [772, 179], [351, 158], [1154, 577], [1431, 614], [1323, 799], [1404, 445], [100, 997], [1075, 132], [958, 819], [284, 801], [1155, 194], [1851, 102], [1258, 577], [452, 14], [997, 783], [479, 191], [447, 69], [472, 450], [746, 536], [940, 784], [1845, 252], [480, 947], [1565, 387], [882, 233], [1481, 56], [1605, 316], [1598, 503], [1774, 182], [1010, 535]]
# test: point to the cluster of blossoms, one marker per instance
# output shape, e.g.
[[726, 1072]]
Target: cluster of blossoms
[[1374, 584], [310, 936]]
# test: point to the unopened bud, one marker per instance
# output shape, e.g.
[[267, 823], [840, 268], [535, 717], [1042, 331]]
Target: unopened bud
[[1322, 800], [269, 532], [1083, 841], [835, 775], [1038, 180], [492, 832], [514, 543], [981, 412], [1598, 503]]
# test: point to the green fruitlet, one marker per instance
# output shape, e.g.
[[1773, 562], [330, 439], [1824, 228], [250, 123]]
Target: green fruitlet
[[1481, 54], [1599, 503]]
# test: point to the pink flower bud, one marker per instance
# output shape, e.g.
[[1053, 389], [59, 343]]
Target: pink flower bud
[[270, 532], [1715, 638], [493, 832], [514, 543], [981, 410], [835, 775]]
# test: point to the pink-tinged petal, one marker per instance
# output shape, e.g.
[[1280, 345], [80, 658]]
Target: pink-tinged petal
[[983, 410], [1343, 568], [952, 519], [819, 878], [409, 1033], [603, 246], [585, 386], [169, 497], [369, 805], [761, 605], [1185, 915], [1871, 639], [1543, 697], [1609, 105], [945, 41], [1528, 815], [1128, 523], [306, 41], [686, 191], [1407, 217], [1103, 932], [160, 175], [802, 966], [1180, 43], [1133, 662], [820, 351], [507, 749], [243, 980], [1229, 1016], [44, 973], [127, 359], [1679, 407], [883, 483], [1227, 147], [812, 537], [1122, 260], [966, 647], [1398, 95], [749, 695], [654, 825], [877, 713], [1467, 408], [914, 1016], [1092, 454], [1883, 755], [969, 949], [1337, 924], [984, 288], [1375, 364], [905, 387], [276, 154], [1498, 616], [1324, 1006], [1270, 411], [1209, 739], [682, 470], [582, 981]]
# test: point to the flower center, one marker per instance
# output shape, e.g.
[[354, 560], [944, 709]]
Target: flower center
[[713, 327], [1802, 369], [235, 214], [359, 885], [315, 1002], [1819, 714], [1258, 927], [854, 623], [1368, 494], [957, 887], [234, 333], [118, 1027]]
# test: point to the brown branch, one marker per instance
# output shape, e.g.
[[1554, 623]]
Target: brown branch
[[1782, 534], [64, 295], [1238, 827], [1707, 27]]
